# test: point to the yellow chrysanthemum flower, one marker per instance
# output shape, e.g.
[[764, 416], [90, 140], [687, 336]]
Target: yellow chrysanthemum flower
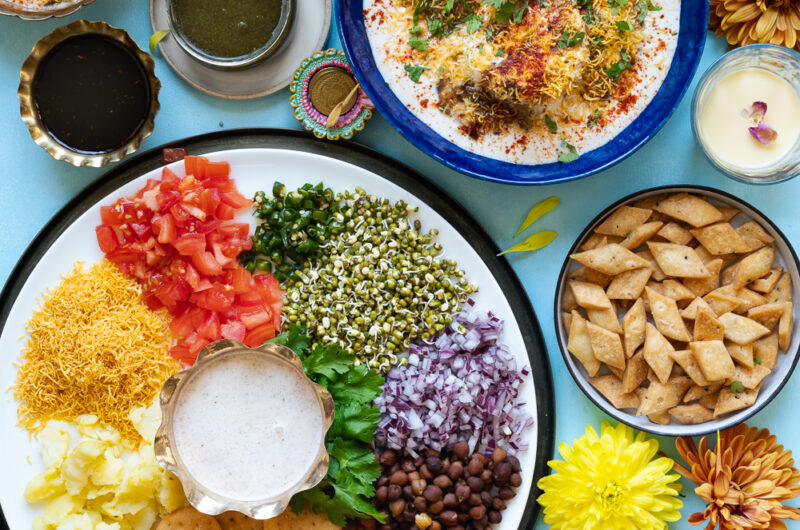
[[610, 482]]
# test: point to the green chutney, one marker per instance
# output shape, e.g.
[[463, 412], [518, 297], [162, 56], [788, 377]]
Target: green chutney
[[227, 28]]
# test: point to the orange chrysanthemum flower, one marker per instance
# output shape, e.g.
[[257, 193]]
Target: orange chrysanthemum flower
[[744, 479], [745, 22]]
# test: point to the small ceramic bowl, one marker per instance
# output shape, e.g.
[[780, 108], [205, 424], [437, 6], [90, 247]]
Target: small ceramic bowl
[[778, 60], [773, 383], [168, 454], [30, 112], [269, 48]]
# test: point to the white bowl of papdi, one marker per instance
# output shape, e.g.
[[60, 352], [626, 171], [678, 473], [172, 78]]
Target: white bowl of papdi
[[674, 310]]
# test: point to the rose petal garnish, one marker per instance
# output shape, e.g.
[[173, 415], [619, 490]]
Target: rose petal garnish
[[763, 133], [756, 112]]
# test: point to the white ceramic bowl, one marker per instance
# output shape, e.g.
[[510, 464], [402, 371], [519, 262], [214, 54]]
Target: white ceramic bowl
[[785, 257]]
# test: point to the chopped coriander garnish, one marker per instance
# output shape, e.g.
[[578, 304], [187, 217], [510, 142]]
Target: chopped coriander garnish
[[571, 154], [568, 42], [435, 27], [652, 7], [616, 69], [499, 52], [473, 22], [737, 387], [612, 3], [615, 11], [449, 6], [590, 16], [595, 118], [480, 48], [756, 360], [415, 71], [623, 26], [420, 43], [416, 30], [552, 126]]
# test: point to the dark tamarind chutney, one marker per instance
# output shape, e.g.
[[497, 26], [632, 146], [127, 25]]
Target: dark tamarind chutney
[[92, 93]]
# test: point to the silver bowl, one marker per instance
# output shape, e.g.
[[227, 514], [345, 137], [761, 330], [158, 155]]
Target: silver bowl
[[168, 454]]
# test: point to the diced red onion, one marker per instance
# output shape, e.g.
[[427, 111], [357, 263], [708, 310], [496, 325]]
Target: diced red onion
[[763, 133], [463, 385]]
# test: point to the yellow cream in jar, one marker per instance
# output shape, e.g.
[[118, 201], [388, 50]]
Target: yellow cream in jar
[[725, 128]]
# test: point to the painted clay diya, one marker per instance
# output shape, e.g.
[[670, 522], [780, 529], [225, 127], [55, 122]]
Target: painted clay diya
[[322, 82]]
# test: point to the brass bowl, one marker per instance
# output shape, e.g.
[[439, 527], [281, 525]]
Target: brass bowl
[[30, 114], [57, 9], [168, 455]]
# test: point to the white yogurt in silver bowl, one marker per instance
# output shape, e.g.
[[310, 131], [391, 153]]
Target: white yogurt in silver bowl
[[244, 429]]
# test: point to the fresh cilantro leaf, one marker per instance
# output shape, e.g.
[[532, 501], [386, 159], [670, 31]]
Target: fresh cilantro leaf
[[497, 4], [480, 48], [449, 6], [544, 3], [328, 360], [416, 30], [294, 338], [623, 26], [552, 126], [435, 27], [615, 11], [360, 385], [357, 460], [642, 16], [616, 69], [349, 484], [499, 52], [612, 3], [653, 7], [589, 17], [576, 39], [504, 13], [473, 22], [342, 506], [521, 6], [593, 121], [571, 155], [737, 387], [756, 360], [415, 71], [357, 421], [420, 43], [563, 40]]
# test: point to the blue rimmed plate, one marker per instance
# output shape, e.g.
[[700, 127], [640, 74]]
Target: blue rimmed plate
[[691, 38]]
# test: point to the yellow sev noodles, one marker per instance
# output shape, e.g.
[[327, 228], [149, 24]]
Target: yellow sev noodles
[[93, 348]]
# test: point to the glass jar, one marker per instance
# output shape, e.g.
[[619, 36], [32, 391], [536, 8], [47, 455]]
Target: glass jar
[[777, 60]]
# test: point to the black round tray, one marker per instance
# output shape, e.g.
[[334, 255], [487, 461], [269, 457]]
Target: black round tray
[[360, 156]]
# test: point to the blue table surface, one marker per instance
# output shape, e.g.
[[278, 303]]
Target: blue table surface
[[34, 186]]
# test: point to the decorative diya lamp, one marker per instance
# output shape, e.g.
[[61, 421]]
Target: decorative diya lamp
[[746, 113], [327, 99], [244, 429], [88, 94], [230, 35]]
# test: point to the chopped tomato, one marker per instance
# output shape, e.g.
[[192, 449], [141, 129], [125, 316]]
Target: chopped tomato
[[217, 170], [190, 244], [256, 337], [106, 238], [176, 237], [172, 154], [233, 330]]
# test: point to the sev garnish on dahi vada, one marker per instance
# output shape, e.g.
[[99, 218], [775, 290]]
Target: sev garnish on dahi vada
[[524, 81], [93, 348]]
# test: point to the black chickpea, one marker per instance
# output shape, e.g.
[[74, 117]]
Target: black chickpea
[[449, 490]]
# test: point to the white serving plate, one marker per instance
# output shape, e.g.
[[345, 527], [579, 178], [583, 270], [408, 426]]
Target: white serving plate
[[253, 170]]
